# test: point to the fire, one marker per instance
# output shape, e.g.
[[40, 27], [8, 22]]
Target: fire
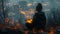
[[29, 21]]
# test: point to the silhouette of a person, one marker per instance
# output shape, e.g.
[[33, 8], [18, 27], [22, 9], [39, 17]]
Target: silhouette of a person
[[39, 19]]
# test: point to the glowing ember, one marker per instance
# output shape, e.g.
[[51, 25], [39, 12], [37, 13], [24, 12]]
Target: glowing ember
[[29, 21]]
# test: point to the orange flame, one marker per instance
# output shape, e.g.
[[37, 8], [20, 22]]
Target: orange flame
[[29, 21]]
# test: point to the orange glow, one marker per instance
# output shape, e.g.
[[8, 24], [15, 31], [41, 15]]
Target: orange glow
[[17, 24], [41, 31], [22, 12], [52, 31], [29, 21], [31, 11], [26, 32]]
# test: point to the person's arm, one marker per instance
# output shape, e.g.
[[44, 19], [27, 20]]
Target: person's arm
[[34, 18]]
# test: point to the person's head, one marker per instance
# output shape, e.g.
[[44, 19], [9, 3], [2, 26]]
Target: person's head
[[39, 7]]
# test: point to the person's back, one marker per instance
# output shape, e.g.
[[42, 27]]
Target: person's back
[[39, 19]]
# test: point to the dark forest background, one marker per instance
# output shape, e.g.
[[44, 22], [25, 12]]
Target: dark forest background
[[17, 11]]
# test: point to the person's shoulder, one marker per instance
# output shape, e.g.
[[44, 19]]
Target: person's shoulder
[[41, 13]]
